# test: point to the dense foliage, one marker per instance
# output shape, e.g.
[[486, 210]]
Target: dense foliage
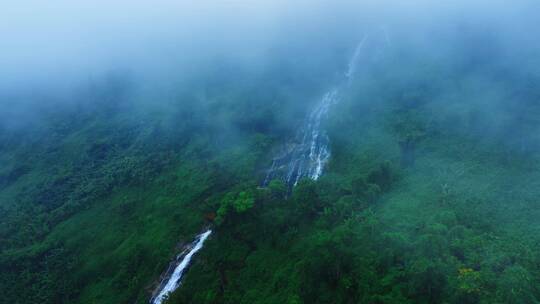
[[449, 219], [430, 196]]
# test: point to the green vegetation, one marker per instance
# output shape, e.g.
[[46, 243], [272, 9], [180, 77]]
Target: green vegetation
[[96, 196], [451, 221], [430, 196]]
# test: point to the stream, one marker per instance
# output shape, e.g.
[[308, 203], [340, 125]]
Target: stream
[[173, 278], [304, 157], [307, 155]]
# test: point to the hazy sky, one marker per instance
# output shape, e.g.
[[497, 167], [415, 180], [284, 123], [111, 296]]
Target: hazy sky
[[58, 41]]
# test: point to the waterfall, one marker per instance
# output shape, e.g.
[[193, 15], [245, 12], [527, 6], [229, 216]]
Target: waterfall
[[353, 62], [172, 282], [305, 157], [311, 150]]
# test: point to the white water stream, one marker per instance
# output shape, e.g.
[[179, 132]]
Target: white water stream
[[172, 282], [308, 155], [305, 158]]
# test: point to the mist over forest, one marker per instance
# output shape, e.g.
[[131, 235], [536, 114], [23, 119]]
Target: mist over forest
[[269, 151]]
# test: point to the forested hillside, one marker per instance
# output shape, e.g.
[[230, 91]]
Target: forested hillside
[[107, 186], [429, 181], [430, 197]]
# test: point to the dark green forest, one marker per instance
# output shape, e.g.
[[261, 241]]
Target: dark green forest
[[431, 193]]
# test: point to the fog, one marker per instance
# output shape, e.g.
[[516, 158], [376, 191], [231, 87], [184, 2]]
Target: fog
[[127, 127], [57, 45]]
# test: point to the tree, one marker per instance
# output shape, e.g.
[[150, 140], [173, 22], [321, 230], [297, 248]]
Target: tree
[[382, 176], [239, 202], [306, 198], [364, 191], [278, 189], [516, 286]]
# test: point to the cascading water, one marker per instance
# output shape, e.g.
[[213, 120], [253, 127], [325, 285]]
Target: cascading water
[[173, 280], [352, 63], [309, 158], [304, 158], [308, 155]]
